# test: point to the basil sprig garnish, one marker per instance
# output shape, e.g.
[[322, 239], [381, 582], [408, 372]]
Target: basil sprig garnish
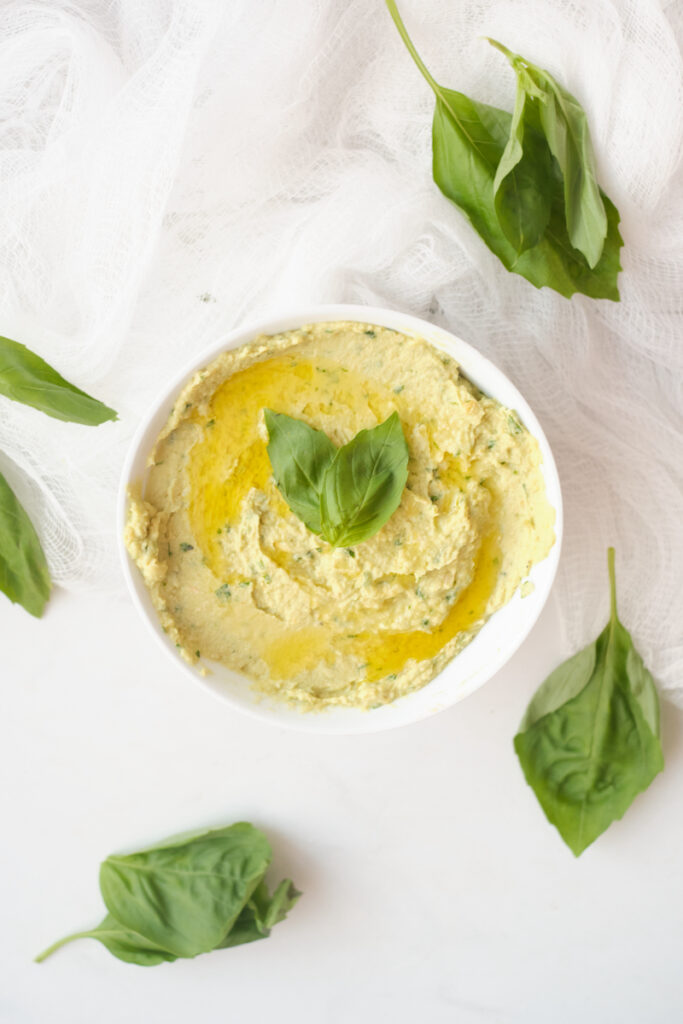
[[188, 895], [343, 494], [26, 378], [589, 741], [527, 181]]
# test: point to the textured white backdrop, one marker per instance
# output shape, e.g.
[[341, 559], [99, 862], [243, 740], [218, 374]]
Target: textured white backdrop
[[169, 169]]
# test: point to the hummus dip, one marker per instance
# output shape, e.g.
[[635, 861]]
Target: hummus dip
[[237, 578]]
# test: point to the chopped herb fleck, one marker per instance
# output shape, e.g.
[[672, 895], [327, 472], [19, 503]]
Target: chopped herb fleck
[[399, 389], [398, 542], [197, 654], [184, 546], [491, 444], [210, 423], [351, 552], [223, 592], [514, 425], [370, 334]]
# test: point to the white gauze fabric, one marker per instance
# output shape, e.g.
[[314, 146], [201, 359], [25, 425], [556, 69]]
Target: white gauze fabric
[[171, 169]]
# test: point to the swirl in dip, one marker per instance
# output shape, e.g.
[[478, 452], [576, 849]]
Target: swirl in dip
[[237, 578]]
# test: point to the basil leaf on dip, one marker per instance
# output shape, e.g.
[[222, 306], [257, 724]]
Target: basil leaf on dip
[[345, 494], [362, 488], [300, 457]]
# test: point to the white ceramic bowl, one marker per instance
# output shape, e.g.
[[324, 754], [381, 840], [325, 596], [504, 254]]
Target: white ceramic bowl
[[495, 643]]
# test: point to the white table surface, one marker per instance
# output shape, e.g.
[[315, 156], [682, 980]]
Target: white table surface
[[434, 889]]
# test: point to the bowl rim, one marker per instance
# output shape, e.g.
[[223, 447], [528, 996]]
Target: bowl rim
[[290, 319]]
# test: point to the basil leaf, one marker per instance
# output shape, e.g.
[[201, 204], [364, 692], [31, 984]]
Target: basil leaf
[[363, 486], [261, 913], [523, 183], [300, 456], [589, 741], [554, 262], [469, 140], [24, 575], [566, 129], [345, 494], [25, 377], [185, 896], [188, 895]]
